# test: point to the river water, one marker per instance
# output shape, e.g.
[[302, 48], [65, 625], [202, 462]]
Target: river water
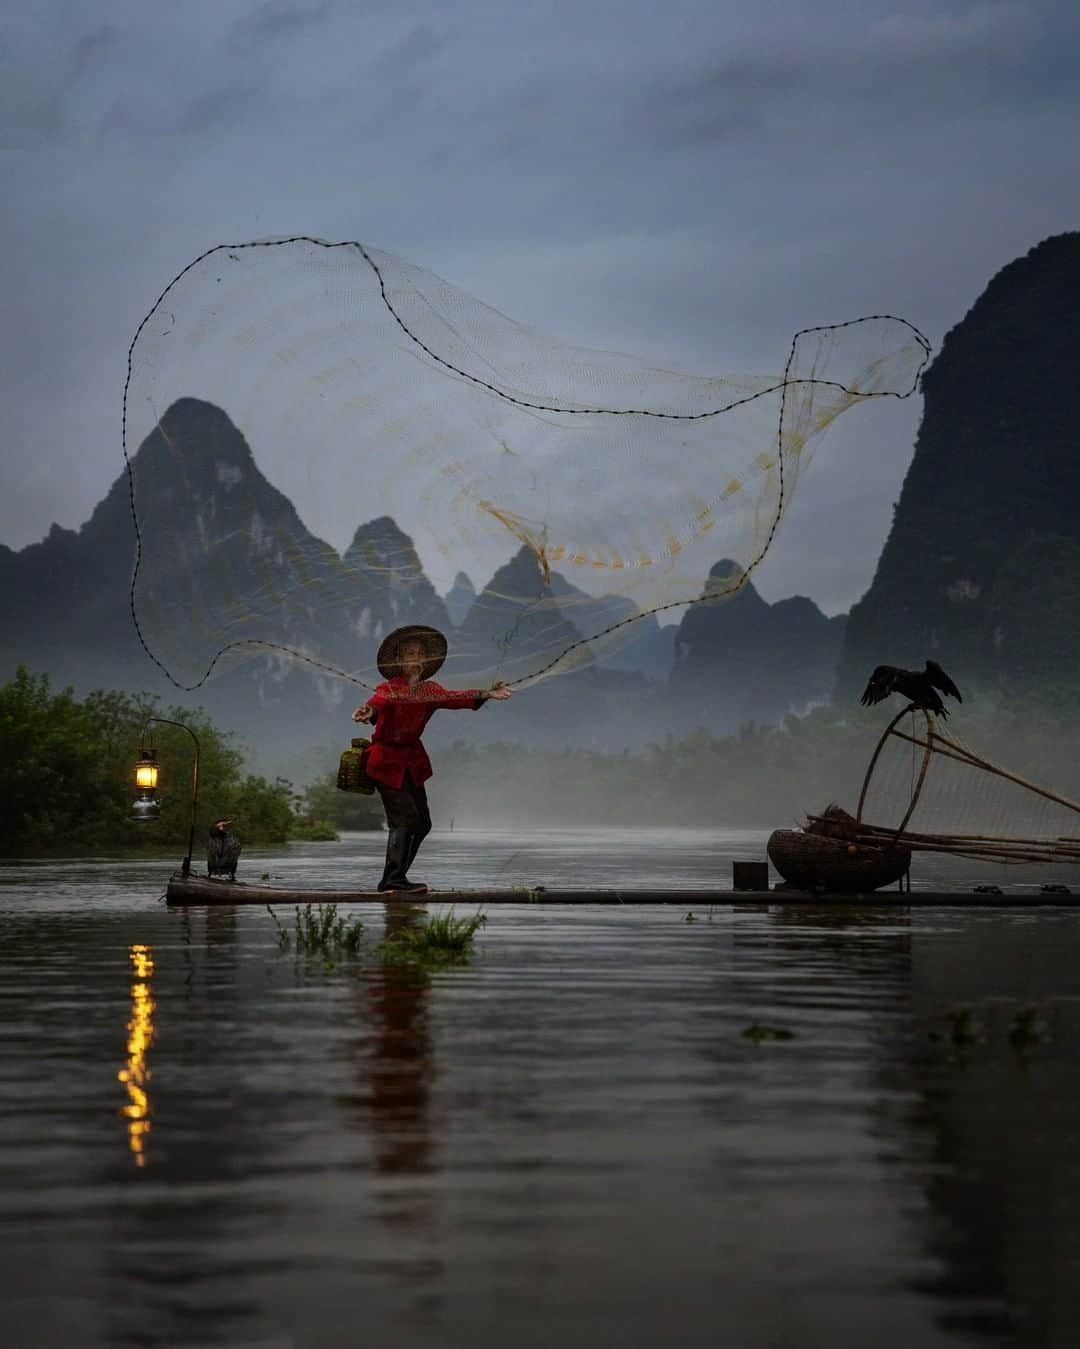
[[567, 1141]]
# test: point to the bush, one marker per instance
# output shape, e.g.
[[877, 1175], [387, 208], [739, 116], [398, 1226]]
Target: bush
[[322, 800], [67, 775]]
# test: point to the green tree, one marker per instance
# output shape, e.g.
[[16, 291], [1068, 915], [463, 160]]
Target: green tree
[[67, 775]]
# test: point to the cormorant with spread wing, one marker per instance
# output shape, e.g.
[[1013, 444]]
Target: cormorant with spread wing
[[919, 687], [223, 851]]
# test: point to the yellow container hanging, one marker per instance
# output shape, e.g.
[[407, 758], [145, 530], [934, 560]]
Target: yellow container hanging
[[351, 774]]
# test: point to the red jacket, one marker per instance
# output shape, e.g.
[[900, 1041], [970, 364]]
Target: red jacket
[[402, 715]]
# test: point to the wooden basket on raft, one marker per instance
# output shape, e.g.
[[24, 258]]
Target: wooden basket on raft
[[812, 861], [352, 775]]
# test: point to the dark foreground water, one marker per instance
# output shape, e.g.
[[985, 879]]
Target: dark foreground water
[[567, 1142]]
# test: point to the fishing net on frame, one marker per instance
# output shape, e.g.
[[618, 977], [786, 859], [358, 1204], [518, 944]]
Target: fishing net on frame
[[322, 427], [947, 797]]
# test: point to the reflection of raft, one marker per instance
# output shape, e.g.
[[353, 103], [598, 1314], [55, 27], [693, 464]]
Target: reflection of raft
[[813, 862]]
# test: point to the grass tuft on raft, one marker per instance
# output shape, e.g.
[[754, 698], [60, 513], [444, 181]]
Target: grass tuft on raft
[[442, 940], [318, 931]]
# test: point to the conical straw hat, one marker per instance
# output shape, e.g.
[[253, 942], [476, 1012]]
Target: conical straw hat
[[431, 639]]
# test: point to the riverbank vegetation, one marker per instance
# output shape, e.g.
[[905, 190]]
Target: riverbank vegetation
[[67, 777], [66, 773], [765, 776]]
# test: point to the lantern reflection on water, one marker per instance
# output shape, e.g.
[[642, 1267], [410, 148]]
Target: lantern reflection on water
[[135, 1074]]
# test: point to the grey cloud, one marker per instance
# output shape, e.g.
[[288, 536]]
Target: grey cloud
[[85, 49], [700, 117], [36, 95], [273, 20], [29, 120], [215, 109], [419, 45], [907, 68]]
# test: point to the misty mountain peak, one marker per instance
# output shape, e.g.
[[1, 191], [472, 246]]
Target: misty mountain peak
[[382, 545], [459, 597], [725, 570], [392, 588], [723, 580], [196, 444], [978, 565], [382, 530], [798, 607]]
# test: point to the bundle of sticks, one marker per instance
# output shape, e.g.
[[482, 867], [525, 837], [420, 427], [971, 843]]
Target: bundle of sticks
[[1062, 849]]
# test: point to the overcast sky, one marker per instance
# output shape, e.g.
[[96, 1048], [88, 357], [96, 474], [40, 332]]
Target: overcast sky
[[691, 181]]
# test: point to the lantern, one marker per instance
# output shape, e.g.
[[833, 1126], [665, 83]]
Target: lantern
[[146, 806]]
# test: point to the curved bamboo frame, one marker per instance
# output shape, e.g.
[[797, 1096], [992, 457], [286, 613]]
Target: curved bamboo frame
[[1063, 848], [917, 789]]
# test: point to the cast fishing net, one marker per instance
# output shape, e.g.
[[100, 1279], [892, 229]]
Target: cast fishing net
[[322, 427]]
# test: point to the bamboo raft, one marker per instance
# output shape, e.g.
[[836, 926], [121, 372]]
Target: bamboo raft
[[194, 890]]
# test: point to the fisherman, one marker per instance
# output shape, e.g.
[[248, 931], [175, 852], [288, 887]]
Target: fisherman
[[397, 762]]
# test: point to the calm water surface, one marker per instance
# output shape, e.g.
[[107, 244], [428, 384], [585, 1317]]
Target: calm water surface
[[567, 1142]]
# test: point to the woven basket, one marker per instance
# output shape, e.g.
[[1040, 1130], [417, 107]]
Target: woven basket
[[815, 863], [351, 775]]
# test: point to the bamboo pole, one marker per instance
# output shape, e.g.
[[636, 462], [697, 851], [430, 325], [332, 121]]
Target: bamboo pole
[[971, 838], [1001, 851], [966, 845], [990, 840], [876, 754], [986, 854], [917, 789]]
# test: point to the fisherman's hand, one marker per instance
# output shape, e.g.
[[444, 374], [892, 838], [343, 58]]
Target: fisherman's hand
[[499, 690], [363, 713]]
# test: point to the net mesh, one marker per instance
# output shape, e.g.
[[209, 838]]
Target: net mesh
[[949, 797], [321, 427]]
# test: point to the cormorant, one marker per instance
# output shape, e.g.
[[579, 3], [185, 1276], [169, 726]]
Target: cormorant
[[223, 851], [917, 686]]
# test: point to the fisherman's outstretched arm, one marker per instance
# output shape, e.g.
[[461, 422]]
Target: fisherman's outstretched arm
[[471, 698], [435, 697], [374, 705]]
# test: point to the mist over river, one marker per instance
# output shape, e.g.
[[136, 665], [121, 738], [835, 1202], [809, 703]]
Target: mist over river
[[569, 1140]]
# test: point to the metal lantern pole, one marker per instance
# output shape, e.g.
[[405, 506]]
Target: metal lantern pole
[[185, 866]]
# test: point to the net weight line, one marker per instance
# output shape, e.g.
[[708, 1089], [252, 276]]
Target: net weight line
[[710, 597]]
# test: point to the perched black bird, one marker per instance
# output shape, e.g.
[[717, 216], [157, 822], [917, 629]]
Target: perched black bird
[[919, 687], [223, 851]]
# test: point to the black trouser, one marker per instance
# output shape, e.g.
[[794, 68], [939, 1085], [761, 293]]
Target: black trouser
[[409, 823]]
